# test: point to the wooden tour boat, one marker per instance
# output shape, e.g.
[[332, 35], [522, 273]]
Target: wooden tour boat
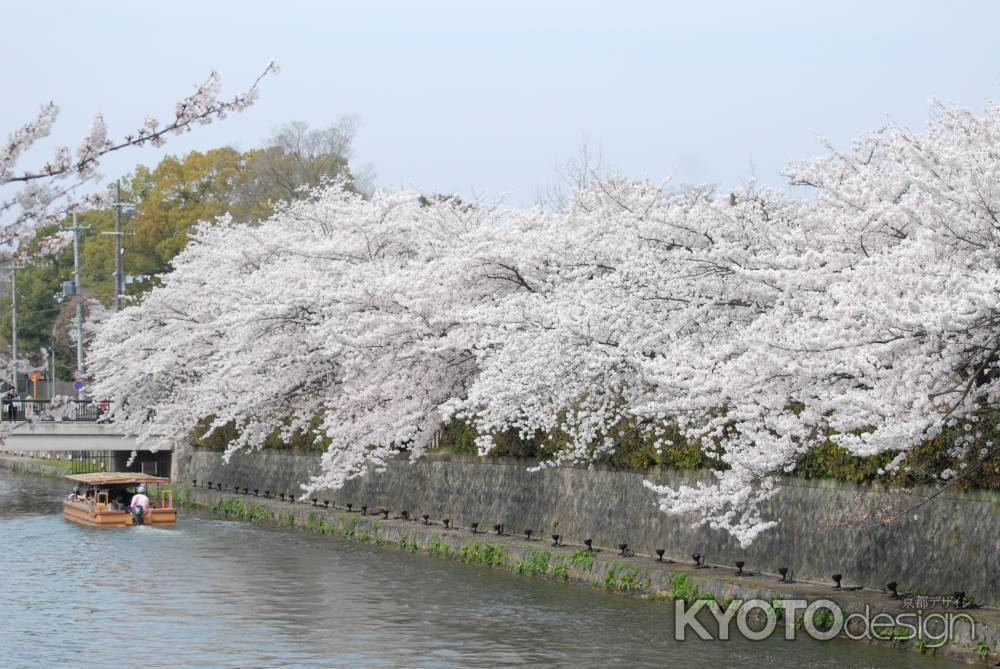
[[102, 498]]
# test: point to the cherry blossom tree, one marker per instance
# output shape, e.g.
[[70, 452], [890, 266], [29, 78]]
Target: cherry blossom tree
[[756, 325], [371, 352], [883, 331]]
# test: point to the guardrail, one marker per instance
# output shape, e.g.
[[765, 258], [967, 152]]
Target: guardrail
[[72, 411]]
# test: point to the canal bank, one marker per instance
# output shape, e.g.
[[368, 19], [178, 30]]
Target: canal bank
[[632, 574], [931, 544], [210, 592], [29, 465], [606, 567]]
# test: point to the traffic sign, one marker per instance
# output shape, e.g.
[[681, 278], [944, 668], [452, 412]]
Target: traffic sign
[[78, 385], [77, 374]]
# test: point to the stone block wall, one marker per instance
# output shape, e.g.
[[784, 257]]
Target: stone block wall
[[936, 546]]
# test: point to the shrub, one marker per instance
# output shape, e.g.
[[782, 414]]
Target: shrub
[[621, 577], [560, 570], [583, 559], [683, 588], [480, 552], [537, 563]]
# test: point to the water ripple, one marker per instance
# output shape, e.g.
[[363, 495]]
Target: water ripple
[[209, 593]]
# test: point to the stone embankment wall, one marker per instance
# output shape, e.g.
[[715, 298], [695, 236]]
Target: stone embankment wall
[[971, 633], [933, 546]]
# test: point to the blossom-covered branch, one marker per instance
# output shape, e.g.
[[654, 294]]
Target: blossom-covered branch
[[47, 192]]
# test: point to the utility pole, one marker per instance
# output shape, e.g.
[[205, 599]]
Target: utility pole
[[13, 323], [119, 271], [79, 293], [119, 279]]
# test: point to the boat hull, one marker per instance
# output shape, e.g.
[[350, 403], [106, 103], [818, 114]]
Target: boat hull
[[93, 514]]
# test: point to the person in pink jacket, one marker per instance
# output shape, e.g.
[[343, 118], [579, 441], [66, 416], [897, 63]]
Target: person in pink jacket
[[140, 500]]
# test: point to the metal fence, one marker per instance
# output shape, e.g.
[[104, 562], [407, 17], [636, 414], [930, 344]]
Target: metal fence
[[45, 410], [84, 462]]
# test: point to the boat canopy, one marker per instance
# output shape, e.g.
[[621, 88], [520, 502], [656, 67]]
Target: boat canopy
[[116, 478]]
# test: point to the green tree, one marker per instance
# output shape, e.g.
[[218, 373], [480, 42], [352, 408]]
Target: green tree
[[171, 199]]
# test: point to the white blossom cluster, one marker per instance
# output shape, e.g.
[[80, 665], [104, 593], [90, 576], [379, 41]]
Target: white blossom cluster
[[754, 324]]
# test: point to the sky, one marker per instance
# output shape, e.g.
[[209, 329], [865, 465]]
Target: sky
[[487, 99]]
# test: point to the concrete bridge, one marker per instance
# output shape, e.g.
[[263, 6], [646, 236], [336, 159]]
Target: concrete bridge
[[91, 445], [67, 436]]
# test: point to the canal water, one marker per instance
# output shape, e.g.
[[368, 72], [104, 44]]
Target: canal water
[[214, 593]]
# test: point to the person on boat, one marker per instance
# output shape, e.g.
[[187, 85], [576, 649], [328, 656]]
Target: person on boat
[[139, 499]]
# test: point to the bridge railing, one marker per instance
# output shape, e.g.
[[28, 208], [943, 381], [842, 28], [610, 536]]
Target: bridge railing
[[45, 410]]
